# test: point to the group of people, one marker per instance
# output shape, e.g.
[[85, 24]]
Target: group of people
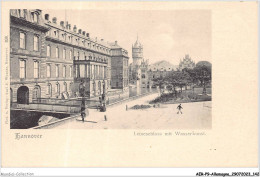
[[84, 111]]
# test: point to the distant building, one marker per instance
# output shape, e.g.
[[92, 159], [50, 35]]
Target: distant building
[[119, 67], [144, 74], [160, 69], [186, 62], [138, 69]]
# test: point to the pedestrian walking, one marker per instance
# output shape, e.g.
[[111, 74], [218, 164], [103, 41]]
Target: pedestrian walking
[[82, 110], [179, 108]]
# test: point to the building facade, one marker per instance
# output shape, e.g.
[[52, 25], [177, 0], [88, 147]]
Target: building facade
[[51, 60], [27, 55], [119, 67], [186, 62]]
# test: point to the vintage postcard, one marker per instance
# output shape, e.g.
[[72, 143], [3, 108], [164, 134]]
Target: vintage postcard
[[129, 84]]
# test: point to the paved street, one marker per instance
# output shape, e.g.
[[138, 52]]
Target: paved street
[[195, 116]]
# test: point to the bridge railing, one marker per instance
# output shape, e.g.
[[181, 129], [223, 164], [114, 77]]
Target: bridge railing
[[48, 107]]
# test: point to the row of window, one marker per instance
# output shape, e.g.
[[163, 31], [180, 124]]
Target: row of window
[[77, 41], [57, 73], [23, 41], [34, 15], [23, 69], [57, 88], [57, 53], [91, 71], [48, 69]]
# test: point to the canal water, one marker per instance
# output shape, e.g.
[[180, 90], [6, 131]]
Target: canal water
[[24, 119]]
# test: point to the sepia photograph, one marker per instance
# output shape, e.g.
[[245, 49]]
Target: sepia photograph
[[153, 71], [146, 84]]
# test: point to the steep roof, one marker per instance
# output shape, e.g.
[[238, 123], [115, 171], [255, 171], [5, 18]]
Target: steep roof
[[162, 66], [137, 44]]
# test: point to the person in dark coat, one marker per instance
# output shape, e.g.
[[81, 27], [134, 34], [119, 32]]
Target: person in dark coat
[[82, 110], [179, 108]]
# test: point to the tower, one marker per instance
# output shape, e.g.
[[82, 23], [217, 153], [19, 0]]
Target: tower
[[137, 53]]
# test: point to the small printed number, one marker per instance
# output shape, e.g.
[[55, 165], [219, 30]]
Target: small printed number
[[6, 38]]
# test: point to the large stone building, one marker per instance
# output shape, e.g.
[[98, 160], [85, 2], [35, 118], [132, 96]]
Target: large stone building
[[27, 56], [78, 58], [53, 60], [186, 62]]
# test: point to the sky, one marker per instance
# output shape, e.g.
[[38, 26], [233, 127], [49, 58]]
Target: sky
[[165, 34]]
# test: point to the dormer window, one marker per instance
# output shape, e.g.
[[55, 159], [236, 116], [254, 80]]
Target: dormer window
[[35, 17], [21, 13], [55, 33]]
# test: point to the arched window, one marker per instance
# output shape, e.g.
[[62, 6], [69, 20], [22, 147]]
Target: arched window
[[36, 92]]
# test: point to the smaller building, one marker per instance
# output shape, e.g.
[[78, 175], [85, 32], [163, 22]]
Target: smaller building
[[119, 67], [144, 74], [186, 62]]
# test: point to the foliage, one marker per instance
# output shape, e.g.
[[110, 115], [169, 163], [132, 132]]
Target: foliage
[[140, 106], [199, 75]]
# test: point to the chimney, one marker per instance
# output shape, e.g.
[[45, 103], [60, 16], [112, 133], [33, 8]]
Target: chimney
[[75, 28], [96, 39], [115, 42], [54, 20], [62, 23], [47, 17], [69, 26], [102, 39], [80, 31], [83, 33], [87, 34]]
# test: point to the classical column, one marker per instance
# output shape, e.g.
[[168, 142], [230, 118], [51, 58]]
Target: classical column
[[90, 71]]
